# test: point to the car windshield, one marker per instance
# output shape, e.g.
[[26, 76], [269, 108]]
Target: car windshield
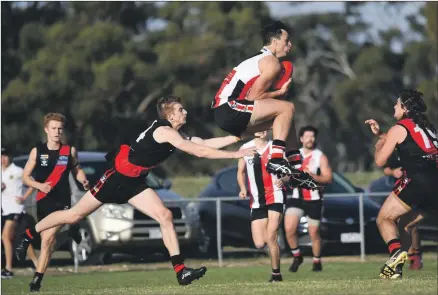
[[94, 170]]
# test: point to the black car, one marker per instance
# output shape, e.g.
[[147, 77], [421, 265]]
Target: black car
[[339, 225]]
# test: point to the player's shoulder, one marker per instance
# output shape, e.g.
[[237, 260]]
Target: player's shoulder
[[317, 152], [248, 144]]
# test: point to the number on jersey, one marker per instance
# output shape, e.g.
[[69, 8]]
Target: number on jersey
[[425, 138]]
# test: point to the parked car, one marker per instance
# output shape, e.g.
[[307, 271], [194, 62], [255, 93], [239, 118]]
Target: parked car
[[339, 226], [427, 228], [120, 228]]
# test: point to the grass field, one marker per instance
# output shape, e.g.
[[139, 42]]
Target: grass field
[[336, 278], [190, 187]]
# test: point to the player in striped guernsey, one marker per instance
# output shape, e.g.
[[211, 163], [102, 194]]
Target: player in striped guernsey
[[304, 202], [248, 102], [267, 198]]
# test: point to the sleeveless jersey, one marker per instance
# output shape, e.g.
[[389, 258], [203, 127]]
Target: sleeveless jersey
[[239, 81], [261, 184], [415, 150], [312, 161], [143, 153], [46, 160]]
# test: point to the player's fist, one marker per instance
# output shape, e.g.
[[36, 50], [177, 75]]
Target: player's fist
[[243, 194], [285, 75]]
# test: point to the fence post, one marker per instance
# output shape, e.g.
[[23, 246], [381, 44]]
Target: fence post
[[219, 231], [75, 256], [362, 228]]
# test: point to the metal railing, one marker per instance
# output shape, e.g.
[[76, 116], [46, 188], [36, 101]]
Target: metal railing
[[219, 200]]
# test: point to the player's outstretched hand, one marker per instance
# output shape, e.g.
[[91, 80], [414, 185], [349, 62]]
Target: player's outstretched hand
[[375, 128]]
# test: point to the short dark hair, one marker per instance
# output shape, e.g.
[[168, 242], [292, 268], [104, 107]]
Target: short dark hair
[[308, 128], [165, 104], [273, 30]]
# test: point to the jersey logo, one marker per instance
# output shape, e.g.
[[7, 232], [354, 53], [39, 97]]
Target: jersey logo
[[44, 160], [62, 161]]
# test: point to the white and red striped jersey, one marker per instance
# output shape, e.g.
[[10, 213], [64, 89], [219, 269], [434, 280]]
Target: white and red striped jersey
[[312, 162], [239, 81], [261, 184]]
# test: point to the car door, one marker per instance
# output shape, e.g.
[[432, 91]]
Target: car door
[[236, 216]]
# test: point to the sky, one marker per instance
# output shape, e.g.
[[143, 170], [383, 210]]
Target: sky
[[373, 12]]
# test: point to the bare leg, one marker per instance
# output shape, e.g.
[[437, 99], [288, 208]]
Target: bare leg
[[48, 242], [8, 238], [274, 219], [31, 254], [391, 211], [258, 230], [150, 204], [281, 112], [315, 237], [86, 205], [291, 221]]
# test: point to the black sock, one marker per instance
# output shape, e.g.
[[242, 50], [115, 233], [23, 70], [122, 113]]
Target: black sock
[[37, 278], [177, 262], [393, 246], [276, 271]]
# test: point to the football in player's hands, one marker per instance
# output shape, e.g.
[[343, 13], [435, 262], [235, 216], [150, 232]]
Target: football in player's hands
[[287, 70]]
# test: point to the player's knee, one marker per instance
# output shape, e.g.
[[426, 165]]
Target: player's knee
[[259, 244], [166, 217], [271, 237], [291, 231], [6, 238], [289, 107]]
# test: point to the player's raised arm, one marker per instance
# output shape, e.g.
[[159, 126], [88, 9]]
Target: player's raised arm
[[170, 135]]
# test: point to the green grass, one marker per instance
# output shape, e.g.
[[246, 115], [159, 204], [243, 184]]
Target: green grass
[[336, 278], [190, 187]]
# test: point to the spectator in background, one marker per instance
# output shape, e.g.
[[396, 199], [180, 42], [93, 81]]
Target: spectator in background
[[304, 202], [12, 208]]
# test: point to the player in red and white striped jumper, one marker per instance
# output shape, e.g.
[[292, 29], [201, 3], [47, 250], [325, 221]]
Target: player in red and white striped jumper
[[305, 202], [267, 198]]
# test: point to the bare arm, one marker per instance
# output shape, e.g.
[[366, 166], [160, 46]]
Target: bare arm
[[78, 172], [241, 165], [387, 142], [270, 68], [167, 134], [27, 171], [326, 172], [217, 142]]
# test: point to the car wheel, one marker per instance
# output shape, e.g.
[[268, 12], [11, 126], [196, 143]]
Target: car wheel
[[87, 251]]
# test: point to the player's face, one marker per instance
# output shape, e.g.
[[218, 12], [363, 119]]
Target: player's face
[[399, 110], [6, 160], [283, 45], [179, 114], [308, 140], [261, 135], [54, 130]]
